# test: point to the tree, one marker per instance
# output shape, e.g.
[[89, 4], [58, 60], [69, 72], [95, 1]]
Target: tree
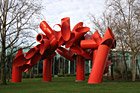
[[16, 20], [125, 22], [126, 10]]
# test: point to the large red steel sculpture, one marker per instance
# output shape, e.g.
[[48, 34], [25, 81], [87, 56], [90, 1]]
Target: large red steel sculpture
[[79, 46]]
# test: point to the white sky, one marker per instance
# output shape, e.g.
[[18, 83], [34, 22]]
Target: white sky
[[77, 10]]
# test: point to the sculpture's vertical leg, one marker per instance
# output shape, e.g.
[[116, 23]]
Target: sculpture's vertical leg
[[80, 74], [47, 70], [16, 74], [99, 64], [94, 56]]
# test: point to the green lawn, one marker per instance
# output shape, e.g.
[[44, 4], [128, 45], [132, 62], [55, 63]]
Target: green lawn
[[68, 85]]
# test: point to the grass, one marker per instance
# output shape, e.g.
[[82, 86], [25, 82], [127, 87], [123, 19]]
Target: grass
[[68, 85]]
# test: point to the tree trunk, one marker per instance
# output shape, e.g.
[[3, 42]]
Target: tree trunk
[[139, 70], [126, 74], [123, 53], [112, 76], [134, 67], [3, 70]]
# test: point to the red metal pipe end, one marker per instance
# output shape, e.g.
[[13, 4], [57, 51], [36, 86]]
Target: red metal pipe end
[[65, 29], [79, 34], [19, 61], [20, 52], [46, 29], [80, 24], [82, 30], [40, 37], [108, 36], [96, 37]]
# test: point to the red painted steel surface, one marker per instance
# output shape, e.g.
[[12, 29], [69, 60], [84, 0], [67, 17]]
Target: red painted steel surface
[[65, 28], [80, 71], [65, 53], [101, 58], [99, 65], [88, 44], [16, 74], [77, 45], [46, 29], [47, 70]]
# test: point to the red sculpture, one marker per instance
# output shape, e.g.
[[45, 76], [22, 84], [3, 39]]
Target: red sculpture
[[77, 42]]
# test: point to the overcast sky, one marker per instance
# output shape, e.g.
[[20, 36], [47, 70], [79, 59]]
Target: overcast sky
[[77, 10]]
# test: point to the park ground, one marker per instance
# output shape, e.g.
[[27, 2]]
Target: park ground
[[68, 85]]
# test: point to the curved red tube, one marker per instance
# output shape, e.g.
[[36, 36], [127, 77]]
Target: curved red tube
[[79, 51], [19, 61], [44, 46], [65, 29], [46, 29], [80, 24], [96, 37], [20, 52], [31, 62], [31, 52], [76, 36], [57, 35], [65, 53]]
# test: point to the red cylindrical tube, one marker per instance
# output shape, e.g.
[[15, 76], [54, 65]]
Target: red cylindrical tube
[[47, 70], [80, 74], [99, 65], [88, 44], [80, 24], [40, 37], [46, 29], [67, 54], [16, 74], [65, 29], [94, 56], [76, 49]]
